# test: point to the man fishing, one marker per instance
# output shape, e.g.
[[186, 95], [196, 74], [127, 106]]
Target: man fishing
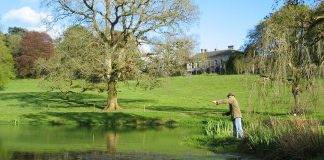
[[235, 113]]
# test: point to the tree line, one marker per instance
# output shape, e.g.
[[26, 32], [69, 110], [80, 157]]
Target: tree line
[[20, 49]]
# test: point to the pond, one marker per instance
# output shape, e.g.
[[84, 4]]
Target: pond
[[66, 143]]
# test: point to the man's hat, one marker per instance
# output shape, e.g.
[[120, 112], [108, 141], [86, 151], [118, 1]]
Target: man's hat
[[230, 94]]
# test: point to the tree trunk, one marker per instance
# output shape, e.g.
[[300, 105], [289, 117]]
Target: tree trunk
[[297, 109], [112, 103]]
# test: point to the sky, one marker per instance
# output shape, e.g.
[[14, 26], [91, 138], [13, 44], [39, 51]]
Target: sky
[[227, 22], [222, 22]]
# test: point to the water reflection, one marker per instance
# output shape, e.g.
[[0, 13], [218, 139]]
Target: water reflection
[[112, 140], [64, 143]]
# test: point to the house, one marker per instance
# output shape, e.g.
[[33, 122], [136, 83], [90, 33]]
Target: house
[[211, 61]]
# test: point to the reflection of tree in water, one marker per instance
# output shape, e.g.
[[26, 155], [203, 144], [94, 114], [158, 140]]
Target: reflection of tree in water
[[112, 140]]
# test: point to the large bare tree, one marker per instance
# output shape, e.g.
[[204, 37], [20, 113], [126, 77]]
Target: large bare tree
[[120, 26]]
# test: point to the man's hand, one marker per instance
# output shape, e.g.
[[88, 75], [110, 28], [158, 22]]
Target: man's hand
[[215, 102]]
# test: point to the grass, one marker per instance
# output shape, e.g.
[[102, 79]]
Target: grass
[[181, 101], [184, 101]]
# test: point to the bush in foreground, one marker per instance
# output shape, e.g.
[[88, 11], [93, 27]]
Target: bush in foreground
[[285, 139], [296, 138]]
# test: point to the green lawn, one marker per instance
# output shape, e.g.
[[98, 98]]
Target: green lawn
[[181, 100]]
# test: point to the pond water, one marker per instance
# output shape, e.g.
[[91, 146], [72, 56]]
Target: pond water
[[64, 143]]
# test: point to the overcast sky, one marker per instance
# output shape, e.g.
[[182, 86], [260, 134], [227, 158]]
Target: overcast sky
[[222, 22]]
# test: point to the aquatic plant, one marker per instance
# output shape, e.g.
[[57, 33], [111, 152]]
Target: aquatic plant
[[218, 128]]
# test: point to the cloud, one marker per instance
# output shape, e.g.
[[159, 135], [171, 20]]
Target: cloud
[[25, 15], [31, 20]]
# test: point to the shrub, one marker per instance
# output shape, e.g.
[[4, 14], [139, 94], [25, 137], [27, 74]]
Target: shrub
[[286, 139]]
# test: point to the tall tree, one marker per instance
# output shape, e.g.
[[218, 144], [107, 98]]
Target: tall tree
[[34, 45], [287, 47], [13, 38], [75, 58], [122, 25], [200, 62], [16, 31], [172, 55], [6, 63], [252, 50]]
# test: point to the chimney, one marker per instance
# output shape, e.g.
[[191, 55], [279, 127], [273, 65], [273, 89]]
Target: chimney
[[201, 50], [231, 47], [205, 50], [215, 49]]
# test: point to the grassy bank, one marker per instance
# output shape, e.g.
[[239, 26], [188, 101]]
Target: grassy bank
[[180, 101], [290, 138]]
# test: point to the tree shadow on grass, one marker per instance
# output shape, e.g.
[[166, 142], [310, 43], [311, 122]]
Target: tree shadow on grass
[[52, 99], [60, 100], [87, 119]]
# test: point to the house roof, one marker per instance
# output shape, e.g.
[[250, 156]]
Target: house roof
[[218, 53]]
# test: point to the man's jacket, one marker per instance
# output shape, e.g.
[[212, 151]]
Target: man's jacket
[[233, 106]]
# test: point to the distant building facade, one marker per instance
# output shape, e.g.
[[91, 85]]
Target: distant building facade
[[211, 61]]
